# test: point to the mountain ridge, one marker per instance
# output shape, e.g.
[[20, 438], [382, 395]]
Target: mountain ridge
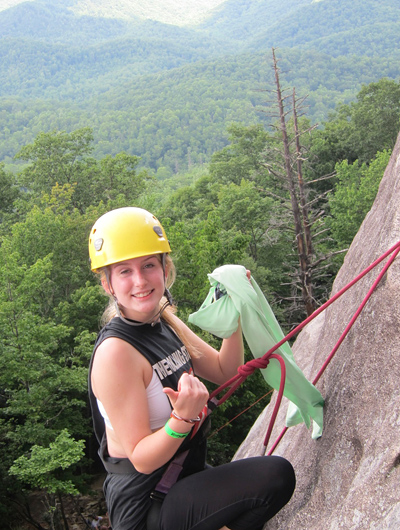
[[168, 11], [63, 71]]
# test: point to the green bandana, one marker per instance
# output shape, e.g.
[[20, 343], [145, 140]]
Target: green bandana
[[219, 316]]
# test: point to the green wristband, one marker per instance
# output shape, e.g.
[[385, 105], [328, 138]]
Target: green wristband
[[174, 434]]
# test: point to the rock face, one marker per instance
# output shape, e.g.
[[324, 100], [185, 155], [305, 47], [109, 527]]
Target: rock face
[[350, 478]]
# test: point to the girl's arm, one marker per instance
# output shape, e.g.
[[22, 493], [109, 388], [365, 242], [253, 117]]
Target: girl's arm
[[213, 365], [120, 375]]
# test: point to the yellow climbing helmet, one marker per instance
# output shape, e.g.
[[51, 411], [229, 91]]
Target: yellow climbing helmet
[[123, 234]]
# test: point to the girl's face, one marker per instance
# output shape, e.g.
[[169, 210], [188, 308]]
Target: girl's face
[[138, 284]]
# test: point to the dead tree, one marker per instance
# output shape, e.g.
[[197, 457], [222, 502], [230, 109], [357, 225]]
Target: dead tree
[[294, 185], [285, 163]]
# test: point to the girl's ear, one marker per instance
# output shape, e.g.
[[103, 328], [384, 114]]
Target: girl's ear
[[104, 284]]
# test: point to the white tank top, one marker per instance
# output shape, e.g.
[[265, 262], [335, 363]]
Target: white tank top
[[158, 402]]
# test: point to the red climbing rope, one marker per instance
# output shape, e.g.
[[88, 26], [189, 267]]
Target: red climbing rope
[[247, 369], [357, 313], [243, 373]]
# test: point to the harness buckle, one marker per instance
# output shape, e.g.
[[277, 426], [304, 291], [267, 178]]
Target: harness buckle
[[157, 496]]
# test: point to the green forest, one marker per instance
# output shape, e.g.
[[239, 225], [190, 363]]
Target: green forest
[[233, 210], [97, 114]]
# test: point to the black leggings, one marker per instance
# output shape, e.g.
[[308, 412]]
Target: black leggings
[[242, 495]]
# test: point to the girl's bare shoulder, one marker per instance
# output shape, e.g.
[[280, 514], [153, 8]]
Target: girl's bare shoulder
[[117, 360]]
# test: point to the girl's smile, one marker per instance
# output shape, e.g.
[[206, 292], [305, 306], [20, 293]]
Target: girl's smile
[[142, 295]]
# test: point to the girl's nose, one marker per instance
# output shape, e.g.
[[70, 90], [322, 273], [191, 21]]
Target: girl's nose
[[139, 278]]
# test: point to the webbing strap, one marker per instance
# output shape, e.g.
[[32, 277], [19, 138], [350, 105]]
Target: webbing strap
[[172, 473]]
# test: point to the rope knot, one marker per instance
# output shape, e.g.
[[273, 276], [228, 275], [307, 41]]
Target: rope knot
[[251, 366]]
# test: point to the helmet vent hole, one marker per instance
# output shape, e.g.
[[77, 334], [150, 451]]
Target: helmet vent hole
[[98, 244], [158, 231]]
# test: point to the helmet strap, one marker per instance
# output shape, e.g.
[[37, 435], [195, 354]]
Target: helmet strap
[[108, 280]]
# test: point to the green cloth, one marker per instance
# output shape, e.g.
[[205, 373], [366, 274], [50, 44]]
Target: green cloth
[[261, 331]]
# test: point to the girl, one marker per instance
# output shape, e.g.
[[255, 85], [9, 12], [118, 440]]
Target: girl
[[149, 405]]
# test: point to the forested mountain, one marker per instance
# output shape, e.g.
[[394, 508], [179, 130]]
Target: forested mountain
[[183, 114], [333, 26], [39, 21], [168, 93]]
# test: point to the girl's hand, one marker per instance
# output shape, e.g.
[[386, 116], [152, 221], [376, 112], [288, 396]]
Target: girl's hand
[[189, 400]]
